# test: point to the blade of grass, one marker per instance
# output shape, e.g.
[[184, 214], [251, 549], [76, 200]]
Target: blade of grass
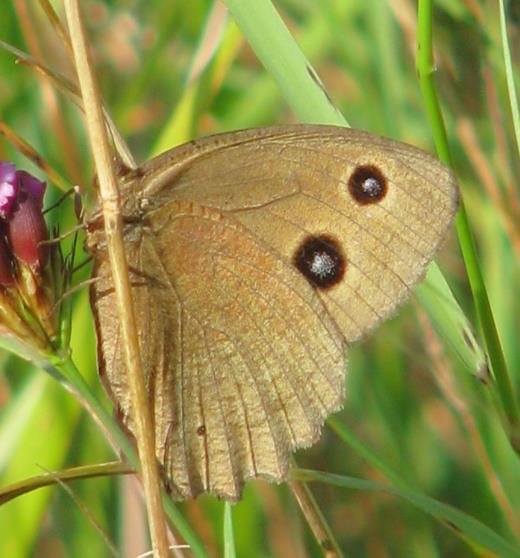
[[443, 309], [348, 437], [425, 68], [508, 65], [281, 56], [27, 485], [229, 538], [179, 127], [20, 520], [71, 91], [315, 519], [473, 531]]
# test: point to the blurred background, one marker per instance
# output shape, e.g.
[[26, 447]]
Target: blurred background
[[172, 71]]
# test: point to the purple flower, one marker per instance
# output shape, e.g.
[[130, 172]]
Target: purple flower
[[8, 188], [33, 186], [26, 288], [21, 202]]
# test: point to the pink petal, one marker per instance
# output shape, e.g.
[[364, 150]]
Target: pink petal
[[8, 188], [33, 186]]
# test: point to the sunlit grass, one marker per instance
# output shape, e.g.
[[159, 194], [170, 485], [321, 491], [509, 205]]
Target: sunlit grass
[[415, 419]]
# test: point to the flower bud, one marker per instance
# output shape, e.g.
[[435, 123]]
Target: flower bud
[[27, 229], [21, 203], [26, 288]]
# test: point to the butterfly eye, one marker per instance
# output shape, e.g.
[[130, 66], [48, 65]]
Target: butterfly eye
[[367, 184], [321, 261]]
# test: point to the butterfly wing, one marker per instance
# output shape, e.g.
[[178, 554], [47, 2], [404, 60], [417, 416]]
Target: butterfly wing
[[287, 185], [242, 362], [256, 259]]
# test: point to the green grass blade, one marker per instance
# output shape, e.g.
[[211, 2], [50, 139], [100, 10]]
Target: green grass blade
[[283, 59], [508, 65], [440, 304], [20, 519], [472, 530], [425, 67], [229, 538]]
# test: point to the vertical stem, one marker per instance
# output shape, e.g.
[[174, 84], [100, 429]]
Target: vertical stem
[[229, 539], [425, 68], [113, 229], [315, 519]]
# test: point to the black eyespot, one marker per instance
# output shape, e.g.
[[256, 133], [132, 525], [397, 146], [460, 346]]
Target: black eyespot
[[367, 184], [321, 261], [201, 430]]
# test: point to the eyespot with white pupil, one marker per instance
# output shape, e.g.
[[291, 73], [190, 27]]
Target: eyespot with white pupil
[[321, 260], [367, 184]]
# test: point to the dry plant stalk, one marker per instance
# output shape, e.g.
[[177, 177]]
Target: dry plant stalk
[[315, 520], [109, 195]]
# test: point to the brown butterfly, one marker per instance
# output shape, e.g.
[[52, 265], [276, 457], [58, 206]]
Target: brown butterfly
[[256, 257]]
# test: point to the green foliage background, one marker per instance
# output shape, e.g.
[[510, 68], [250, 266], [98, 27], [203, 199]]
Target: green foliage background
[[411, 405]]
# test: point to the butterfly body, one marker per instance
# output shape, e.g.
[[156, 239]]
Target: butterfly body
[[255, 258]]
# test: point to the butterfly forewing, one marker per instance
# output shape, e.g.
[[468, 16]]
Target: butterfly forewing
[[256, 256]]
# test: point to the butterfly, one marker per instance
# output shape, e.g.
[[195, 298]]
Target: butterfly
[[256, 257]]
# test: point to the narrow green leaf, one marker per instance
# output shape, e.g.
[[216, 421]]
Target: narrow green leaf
[[468, 527]]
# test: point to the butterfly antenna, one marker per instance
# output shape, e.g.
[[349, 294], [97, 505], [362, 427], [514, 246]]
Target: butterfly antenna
[[74, 190], [81, 265], [59, 238], [78, 287]]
